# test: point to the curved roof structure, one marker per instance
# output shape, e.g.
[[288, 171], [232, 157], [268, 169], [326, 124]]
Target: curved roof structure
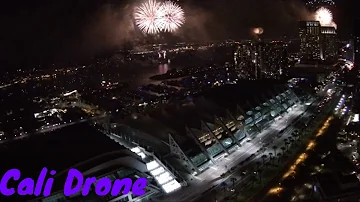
[[245, 94], [78, 146], [103, 164], [189, 134], [176, 118]]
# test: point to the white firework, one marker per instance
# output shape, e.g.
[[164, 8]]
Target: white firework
[[173, 16], [324, 16], [148, 17], [152, 17]]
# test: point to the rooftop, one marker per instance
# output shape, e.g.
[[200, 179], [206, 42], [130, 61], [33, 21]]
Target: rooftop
[[245, 94], [174, 118], [58, 150]]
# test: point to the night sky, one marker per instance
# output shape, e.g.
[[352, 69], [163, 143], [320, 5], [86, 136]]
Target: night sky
[[60, 30]]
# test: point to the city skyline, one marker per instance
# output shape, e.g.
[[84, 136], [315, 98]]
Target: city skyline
[[91, 28], [192, 100]]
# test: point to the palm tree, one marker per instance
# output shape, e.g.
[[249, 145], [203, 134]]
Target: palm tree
[[233, 180], [214, 193], [296, 136], [283, 149], [252, 180], [275, 148], [271, 157], [263, 157], [223, 186], [278, 155], [287, 145], [258, 164], [259, 172]]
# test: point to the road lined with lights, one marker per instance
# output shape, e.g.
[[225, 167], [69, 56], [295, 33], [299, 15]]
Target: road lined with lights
[[310, 146], [290, 129], [211, 178], [202, 185], [302, 157], [278, 142]]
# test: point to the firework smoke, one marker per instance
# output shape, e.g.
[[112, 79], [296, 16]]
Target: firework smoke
[[106, 27], [258, 30]]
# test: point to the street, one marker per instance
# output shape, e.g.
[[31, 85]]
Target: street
[[211, 178]]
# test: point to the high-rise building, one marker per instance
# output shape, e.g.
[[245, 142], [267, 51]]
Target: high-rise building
[[255, 60], [275, 59], [357, 44], [309, 33], [346, 48], [328, 40], [248, 60]]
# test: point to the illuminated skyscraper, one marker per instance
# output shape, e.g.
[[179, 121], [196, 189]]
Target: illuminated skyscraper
[[249, 59], [258, 60], [328, 43], [275, 59], [347, 51], [357, 44], [309, 34]]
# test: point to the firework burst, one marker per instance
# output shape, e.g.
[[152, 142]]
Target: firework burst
[[258, 30], [173, 16], [148, 17], [152, 17], [324, 16]]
